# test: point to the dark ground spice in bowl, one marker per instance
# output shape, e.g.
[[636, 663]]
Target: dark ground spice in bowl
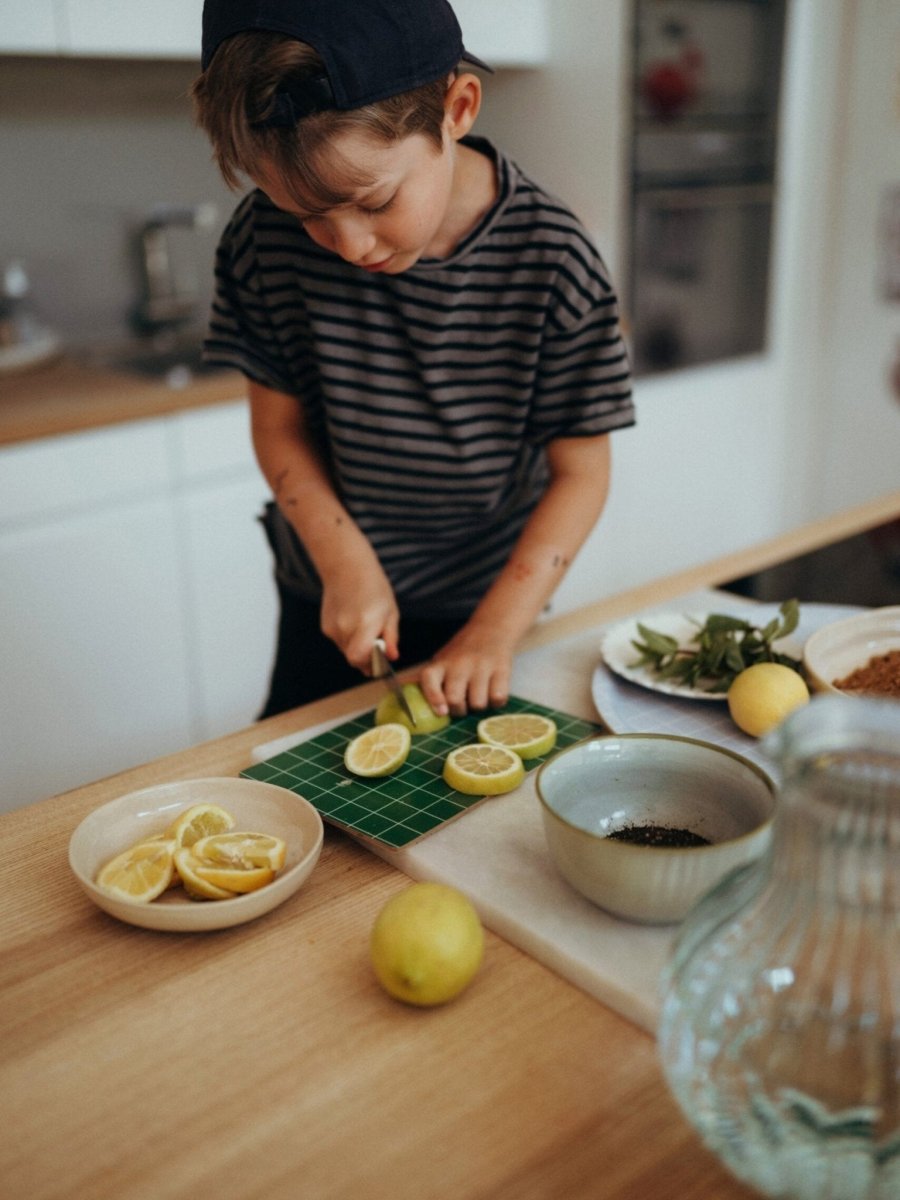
[[658, 835], [880, 676]]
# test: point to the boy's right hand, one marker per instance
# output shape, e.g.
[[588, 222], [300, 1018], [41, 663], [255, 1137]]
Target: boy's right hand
[[358, 606]]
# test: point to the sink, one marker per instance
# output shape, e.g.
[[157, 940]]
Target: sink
[[175, 365]]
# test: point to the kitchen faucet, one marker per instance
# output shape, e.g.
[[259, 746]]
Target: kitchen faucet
[[166, 303]]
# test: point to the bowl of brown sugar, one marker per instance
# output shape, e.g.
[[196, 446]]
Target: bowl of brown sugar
[[859, 655]]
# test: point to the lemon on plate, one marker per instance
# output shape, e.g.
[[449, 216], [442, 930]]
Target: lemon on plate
[[390, 711], [527, 734], [140, 873], [481, 770], [427, 943], [198, 821], [378, 751], [763, 695]]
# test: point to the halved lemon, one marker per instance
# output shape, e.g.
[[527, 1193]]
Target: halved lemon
[[378, 751], [140, 873], [195, 885], [200, 820], [527, 734], [482, 770], [390, 711], [242, 850]]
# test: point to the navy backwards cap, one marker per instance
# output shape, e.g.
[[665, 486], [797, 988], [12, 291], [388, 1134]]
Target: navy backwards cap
[[372, 49]]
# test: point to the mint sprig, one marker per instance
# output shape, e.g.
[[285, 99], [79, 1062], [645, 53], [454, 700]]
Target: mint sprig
[[722, 647]]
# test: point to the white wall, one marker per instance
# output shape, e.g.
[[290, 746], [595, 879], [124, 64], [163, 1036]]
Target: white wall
[[859, 409]]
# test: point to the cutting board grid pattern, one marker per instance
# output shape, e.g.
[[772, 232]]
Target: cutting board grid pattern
[[395, 810]]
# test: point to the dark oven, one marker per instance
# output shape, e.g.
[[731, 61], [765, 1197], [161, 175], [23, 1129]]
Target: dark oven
[[702, 180]]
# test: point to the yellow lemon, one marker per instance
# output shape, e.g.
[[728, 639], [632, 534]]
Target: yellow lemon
[[195, 885], [243, 850], [762, 695], [200, 820], [527, 734], [389, 711], [427, 944], [378, 751], [481, 770], [140, 873]]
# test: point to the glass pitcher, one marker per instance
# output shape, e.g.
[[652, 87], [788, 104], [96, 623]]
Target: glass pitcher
[[780, 1029]]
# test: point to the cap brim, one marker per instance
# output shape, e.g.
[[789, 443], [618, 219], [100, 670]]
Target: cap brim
[[476, 62]]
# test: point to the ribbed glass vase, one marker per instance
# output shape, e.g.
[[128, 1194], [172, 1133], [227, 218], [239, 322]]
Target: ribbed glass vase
[[780, 1029]]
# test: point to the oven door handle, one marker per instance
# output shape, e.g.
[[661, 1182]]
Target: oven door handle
[[733, 196]]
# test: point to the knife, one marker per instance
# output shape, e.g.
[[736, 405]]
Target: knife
[[382, 669]]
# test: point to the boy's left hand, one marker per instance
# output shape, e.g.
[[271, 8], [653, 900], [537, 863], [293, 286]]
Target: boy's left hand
[[471, 672]]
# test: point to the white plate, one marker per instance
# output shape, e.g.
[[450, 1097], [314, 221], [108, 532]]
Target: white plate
[[627, 709], [261, 807], [620, 655]]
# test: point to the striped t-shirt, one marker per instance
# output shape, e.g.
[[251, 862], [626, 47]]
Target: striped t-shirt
[[432, 393]]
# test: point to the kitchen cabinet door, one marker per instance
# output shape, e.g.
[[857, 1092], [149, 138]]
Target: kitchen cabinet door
[[505, 33], [228, 567], [94, 673], [163, 29], [232, 602], [32, 28]]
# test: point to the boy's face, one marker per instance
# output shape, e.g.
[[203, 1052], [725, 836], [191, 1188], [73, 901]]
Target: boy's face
[[397, 217]]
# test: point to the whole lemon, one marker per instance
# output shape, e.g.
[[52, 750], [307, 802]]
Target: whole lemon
[[389, 711], [427, 944], [762, 695]]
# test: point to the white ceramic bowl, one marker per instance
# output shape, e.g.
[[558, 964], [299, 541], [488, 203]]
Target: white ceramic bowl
[[261, 807], [835, 650], [608, 782]]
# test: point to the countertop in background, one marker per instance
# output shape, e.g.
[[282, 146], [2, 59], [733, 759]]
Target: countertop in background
[[66, 396]]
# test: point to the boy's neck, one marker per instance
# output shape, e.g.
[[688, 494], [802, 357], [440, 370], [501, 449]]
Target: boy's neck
[[474, 193]]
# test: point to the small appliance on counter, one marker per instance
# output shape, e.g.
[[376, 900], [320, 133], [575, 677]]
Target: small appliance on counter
[[24, 340]]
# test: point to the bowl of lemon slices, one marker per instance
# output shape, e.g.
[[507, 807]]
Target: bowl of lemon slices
[[196, 854]]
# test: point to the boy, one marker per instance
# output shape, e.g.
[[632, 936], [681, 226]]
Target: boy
[[431, 345]]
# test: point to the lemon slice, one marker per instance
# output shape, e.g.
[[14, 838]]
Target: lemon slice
[[378, 751], [482, 770], [195, 885], [242, 850], [233, 878], [199, 821], [527, 734], [140, 873]]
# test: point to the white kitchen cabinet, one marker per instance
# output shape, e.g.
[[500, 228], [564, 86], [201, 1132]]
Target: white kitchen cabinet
[[137, 605], [505, 33], [232, 603], [163, 29], [231, 593], [94, 675], [33, 28]]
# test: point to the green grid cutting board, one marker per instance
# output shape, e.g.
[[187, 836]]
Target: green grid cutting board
[[397, 809]]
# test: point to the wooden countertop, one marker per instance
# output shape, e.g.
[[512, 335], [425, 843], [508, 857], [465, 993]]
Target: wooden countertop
[[67, 395], [266, 1061]]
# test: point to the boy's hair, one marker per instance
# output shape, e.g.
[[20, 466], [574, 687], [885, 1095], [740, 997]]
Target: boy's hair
[[235, 99]]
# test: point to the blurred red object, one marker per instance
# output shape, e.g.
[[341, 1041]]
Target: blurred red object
[[669, 85], [667, 88]]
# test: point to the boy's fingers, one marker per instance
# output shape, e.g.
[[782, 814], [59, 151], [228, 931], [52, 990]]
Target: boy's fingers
[[431, 683]]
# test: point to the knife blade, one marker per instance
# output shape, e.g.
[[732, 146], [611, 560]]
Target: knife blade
[[382, 669]]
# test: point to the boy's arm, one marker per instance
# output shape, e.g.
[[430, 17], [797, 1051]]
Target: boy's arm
[[358, 603], [473, 669]]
